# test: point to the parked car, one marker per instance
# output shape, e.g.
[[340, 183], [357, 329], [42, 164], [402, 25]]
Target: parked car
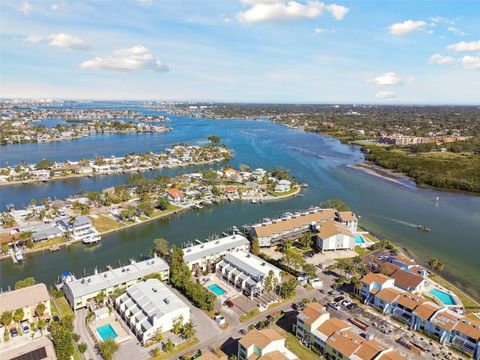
[[219, 319], [25, 327], [335, 292], [334, 305], [339, 299], [352, 306], [346, 302], [229, 303], [242, 332], [13, 332]]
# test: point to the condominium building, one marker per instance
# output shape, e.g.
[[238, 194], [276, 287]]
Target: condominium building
[[150, 307], [332, 235], [80, 291], [247, 272], [336, 339], [27, 299], [264, 344], [204, 256]]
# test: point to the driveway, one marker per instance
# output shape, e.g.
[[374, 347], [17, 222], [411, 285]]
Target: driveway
[[81, 329]]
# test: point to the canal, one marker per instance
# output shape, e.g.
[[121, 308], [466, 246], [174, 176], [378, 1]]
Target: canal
[[386, 208]]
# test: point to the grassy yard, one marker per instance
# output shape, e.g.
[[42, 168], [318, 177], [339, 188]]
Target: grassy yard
[[52, 242], [296, 347], [179, 348], [63, 306], [104, 223], [470, 304], [285, 193], [250, 315]]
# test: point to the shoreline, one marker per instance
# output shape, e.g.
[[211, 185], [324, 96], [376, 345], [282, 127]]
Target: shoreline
[[385, 174], [93, 175]]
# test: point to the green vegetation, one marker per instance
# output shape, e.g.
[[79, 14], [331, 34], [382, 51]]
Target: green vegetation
[[452, 171], [173, 350], [249, 315], [61, 333], [29, 281], [108, 348], [337, 204], [103, 223], [296, 347]]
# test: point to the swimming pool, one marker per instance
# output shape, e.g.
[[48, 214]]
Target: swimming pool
[[217, 290], [106, 332], [359, 239], [445, 298]]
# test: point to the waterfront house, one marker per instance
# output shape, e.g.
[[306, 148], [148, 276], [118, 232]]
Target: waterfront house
[[81, 228], [372, 283], [27, 299], [349, 219], [264, 344], [204, 256], [150, 307], [292, 225], [404, 306], [334, 235], [175, 195], [385, 298], [80, 291], [230, 173], [283, 186], [406, 280], [402, 262], [47, 232], [246, 272]]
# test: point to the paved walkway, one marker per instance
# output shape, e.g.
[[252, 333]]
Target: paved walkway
[[81, 329]]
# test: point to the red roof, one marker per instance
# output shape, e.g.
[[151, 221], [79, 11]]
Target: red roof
[[231, 189], [175, 193], [229, 170]]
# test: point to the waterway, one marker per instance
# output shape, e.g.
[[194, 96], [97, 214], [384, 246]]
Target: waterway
[[389, 209]]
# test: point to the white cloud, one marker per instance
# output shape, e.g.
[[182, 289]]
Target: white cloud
[[465, 46], [61, 40], [386, 95], [337, 11], [128, 59], [456, 31], [26, 8], [67, 41], [471, 62], [388, 78], [55, 7], [406, 27], [442, 60], [322, 30], [281, 11]]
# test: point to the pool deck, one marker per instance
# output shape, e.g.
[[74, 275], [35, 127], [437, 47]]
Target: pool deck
[[432, 286], [122, 334], [230, 292]]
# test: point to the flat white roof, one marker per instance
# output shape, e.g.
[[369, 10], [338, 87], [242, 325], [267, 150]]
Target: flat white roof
[[213, 247], [250, 264], [118, 276]]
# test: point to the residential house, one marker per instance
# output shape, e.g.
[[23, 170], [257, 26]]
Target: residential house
[[175, 196], [265, 344], [349, 219], [372, 283], [81, 228], [283, 186]]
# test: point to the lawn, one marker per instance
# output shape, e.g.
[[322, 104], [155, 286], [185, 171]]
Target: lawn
[[250, 315], [52, 242], [104, 223], [63, 306], [297, 348], [285, 193], [179, 348]]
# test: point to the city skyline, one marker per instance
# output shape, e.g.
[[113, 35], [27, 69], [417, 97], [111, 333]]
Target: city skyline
[[242, 51]]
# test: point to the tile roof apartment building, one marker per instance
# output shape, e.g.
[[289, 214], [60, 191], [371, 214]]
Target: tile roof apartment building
[[80, 291], [265, 344], [274, 231], [336, 339], [418, 313]]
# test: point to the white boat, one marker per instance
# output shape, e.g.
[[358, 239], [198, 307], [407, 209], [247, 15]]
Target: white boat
[[93, 239], [19, 257]]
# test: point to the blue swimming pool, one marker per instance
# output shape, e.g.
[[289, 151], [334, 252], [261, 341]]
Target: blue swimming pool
[[217, 290], [445, 298], [359, 239], [106, 332]]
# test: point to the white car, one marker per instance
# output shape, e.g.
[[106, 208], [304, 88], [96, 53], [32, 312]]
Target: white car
[[316, 283], [219, 319], [346, 302]]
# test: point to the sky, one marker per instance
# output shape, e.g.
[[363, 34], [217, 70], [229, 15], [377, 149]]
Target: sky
[[385, 52]]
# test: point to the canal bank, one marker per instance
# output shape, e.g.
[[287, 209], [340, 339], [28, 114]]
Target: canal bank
[[389, 209]]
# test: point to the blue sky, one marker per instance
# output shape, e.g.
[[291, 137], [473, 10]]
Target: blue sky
[[243, 50]]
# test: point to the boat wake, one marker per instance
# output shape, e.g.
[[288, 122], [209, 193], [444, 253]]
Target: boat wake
[[398, 221]]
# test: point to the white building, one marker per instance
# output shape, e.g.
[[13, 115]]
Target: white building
[[81, 228], [349, 219], [246, 271], [203, 256], [264, 344], [333, 235], [283, 186], [150, 307], [80, 291]]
